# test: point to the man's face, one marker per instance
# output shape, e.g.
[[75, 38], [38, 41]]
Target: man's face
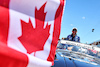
[[74, 31]]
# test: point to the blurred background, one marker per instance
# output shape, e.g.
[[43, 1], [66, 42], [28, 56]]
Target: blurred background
[[85, 16]]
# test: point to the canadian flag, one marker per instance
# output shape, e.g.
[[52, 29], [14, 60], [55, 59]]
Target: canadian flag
[[29, 32]]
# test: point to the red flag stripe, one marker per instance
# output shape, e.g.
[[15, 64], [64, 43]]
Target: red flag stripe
[[12, 58], [57, 28], [4, 22], [4, 3]]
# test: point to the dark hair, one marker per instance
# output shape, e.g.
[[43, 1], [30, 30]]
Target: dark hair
[[74, 29]]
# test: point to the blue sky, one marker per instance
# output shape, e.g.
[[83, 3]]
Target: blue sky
[[85, 16]]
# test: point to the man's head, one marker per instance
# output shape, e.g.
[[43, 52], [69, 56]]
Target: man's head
[[74, 31]]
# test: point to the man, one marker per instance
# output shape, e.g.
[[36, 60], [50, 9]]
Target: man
[[73, 36]]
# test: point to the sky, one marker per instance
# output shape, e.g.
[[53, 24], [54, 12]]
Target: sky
[[85, 16]]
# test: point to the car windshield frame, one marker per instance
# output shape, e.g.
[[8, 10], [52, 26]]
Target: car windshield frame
[[95, 60]]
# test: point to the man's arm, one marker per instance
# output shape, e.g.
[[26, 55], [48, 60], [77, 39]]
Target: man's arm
[[67, 37]]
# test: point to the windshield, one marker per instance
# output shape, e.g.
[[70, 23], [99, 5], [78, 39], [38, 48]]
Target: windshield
[[79, 51]]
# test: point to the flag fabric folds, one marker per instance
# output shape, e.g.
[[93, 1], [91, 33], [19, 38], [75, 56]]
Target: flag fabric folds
[[29, 32]]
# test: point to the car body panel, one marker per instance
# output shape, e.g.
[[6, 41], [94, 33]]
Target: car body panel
[[59, 61], [62, 61]]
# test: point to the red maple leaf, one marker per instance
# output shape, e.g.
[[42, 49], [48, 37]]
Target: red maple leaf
[[33, 39]]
